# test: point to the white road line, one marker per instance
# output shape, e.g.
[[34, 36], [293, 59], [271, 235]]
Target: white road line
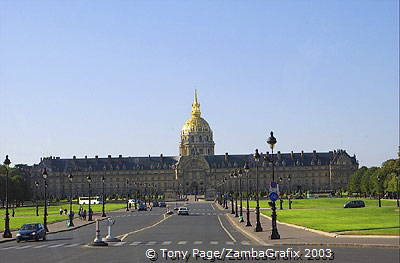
[[135, 243], [182, 242], [124, 236], [73, 245], [5, 248], [23, 247], [213, 242], [245, 243], [45, 245], [226, 230], [198, 242], [151, 243], [229, 243], [118, 244], [166, 243], [58, 245]]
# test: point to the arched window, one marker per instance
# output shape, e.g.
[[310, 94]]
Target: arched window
[[200, 139]]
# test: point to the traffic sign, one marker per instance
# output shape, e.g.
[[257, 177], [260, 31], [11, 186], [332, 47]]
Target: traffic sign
[[274, 185], [273, 196]]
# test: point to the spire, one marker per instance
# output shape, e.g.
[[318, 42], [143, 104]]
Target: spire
[[196, 106]]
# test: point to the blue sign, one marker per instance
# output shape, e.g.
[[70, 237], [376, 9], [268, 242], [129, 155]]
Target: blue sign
[[273, 196], [274, 185]]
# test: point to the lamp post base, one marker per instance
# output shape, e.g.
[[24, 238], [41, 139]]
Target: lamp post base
[[248, 223], [275, 234], [258, 228], [7, 234]]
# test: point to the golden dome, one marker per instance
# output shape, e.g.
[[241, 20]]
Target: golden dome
[[195, 123]]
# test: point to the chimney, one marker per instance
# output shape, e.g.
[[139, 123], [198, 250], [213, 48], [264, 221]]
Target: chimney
[[120, 156], [74, 157], [109, 156], [292, 154], [226, 157], [302, 154], [97, 157], [85, 156]]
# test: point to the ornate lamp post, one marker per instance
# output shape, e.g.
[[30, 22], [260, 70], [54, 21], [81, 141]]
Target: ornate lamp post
[[7, 232], [290, 192], [225, 195], [103, 209], [44, 174], [127, 194], [71, 215], [37, 198], [258, 224], [234, 176], [274, 235], [379, 191], [246, 170], [89, 180], [136, 194], [240, 174], [280, 197]]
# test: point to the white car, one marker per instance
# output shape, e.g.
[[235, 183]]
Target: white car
[[183, 211]]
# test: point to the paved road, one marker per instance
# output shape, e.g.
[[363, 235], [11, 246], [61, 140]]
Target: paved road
[[206, 229]]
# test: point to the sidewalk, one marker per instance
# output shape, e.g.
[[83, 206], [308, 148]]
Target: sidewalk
[[61, 226], [297, 235]]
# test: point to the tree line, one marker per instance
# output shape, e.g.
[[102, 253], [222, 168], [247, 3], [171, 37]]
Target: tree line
[[376, 181], [18, 186]]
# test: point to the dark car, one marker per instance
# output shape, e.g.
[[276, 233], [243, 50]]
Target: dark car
[[31, 231], [354, 204], [298, 197], [142, 207], [162, 204], [155, 204]]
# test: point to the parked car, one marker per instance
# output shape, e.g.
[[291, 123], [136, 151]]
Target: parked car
[[31, 231], [354, 204], [142, 207], [162, 204], [298, 197], [155, 203], [183, 211]]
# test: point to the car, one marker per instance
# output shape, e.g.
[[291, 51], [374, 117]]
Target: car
[[183, 211], [162, 204], [155, 203], [31, 231], [142, 207], [298, 197], [354, 204]]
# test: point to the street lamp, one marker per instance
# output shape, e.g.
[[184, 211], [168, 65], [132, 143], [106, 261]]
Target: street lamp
[[89, 180], [290, 192], [7, 232], [44, 174], [280, 197], [240, 174], [37, 198], [127, 194], [379, 191], [103, 214], [71, 216], [274, 235], [246, 170], [234, 176], [258, 224]]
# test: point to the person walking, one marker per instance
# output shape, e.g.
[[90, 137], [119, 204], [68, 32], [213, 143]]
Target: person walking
[[84, 214]]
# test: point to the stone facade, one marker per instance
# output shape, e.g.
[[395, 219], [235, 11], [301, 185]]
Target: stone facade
[[196, 170]]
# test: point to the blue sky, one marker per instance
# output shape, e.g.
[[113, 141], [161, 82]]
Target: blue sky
[[117, 77]]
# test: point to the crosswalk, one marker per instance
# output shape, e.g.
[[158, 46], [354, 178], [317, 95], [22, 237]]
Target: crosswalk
[[127, 244]]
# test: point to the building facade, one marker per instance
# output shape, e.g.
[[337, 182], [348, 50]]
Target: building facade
[[196, 170]]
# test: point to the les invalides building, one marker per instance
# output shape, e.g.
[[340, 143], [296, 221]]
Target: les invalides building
[[196, 170]]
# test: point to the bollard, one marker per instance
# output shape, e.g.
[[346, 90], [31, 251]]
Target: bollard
[[109, 237], [97, 241]]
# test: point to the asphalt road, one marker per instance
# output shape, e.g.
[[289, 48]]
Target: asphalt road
[[200, 237]]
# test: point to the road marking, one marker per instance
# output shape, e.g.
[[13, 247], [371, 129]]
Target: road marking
[[245, 243], [229, 243], [135, 243], [118, 244], [197, 242], [166, 243], [213, 242], [182, 242], [151, 243], [212, 206], [73, 245], [122, 237], [226, 230], [5, 248], [58, 245], [23, 247]]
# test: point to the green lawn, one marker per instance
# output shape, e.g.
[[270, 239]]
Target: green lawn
[[323, 203], [384, 220], [54, 209], [27, 214]]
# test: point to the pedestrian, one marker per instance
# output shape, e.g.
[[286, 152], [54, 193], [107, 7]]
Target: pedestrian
[[61, 211], [65, 211], [13, 212], [84, 214]]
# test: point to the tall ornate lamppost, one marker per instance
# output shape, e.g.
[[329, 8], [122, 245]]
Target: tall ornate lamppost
[[258, 224], [71, 216], [290, 192], [379, 191], [240, 174], [246, 170], [274, 235], [127, 193], [7, 232], [44, 174], [89, 180], [234, 176], [37, 198], [104, 198]]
